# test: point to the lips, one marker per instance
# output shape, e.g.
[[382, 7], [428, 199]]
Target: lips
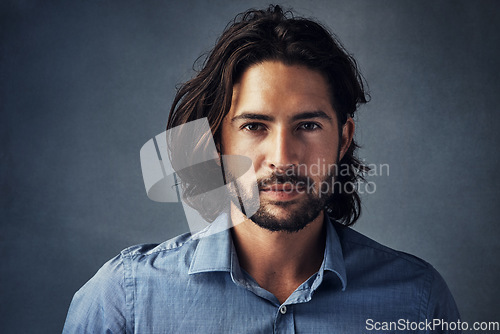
[[282, 188], [281, 192]]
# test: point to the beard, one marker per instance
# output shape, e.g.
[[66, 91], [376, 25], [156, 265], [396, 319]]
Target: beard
[[301, 212]]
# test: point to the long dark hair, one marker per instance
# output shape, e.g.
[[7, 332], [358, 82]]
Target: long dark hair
[[272, 34]]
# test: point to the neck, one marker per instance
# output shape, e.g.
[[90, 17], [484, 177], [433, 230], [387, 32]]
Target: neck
[[279, 261]]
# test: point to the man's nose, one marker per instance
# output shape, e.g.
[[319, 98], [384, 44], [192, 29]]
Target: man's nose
[[281, 150]]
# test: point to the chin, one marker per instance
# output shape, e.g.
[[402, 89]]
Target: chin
[[285, 220]]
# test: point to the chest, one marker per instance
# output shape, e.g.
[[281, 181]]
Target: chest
[[218, 305]]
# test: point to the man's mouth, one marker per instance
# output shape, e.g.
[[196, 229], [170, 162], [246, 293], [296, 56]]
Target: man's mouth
[[282, 188], [281, 192]]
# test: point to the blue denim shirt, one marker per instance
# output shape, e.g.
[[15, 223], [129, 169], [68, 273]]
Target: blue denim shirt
[[194, 284]]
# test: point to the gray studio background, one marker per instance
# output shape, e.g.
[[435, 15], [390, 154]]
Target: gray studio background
[[84, 84]]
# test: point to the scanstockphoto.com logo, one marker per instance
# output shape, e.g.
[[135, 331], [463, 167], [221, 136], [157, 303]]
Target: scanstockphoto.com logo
[[432, 325], [218, 176]]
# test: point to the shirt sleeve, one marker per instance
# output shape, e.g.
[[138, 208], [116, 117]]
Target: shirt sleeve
[[100, 305], [442, 309]]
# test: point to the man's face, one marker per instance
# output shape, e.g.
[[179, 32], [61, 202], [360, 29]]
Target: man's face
[[282, 118]]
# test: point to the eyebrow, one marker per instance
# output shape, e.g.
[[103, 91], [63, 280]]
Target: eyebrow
[[253, 116], [311, 114], [298, 117]]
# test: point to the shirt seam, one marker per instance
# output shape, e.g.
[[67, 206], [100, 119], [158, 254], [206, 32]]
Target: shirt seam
[[426, 294], [130, 289], [132, 253]]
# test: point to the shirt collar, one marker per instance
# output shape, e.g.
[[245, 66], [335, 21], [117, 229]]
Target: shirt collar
[[215, 248], [334, 257], [215, 251]]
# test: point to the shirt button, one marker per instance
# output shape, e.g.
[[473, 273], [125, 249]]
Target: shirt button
[[283, 309]]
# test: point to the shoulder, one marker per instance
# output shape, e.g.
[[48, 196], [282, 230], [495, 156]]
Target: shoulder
[[173, 255], [115, 269], [369, 263], [171, 246], [355, 244], [105, 302]]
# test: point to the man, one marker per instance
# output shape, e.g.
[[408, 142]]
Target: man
[[282, 92]]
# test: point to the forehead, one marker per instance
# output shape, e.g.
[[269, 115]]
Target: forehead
[[273, 86]]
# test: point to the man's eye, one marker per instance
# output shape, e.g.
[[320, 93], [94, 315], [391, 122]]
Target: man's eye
[[309, 126], [253, 127]]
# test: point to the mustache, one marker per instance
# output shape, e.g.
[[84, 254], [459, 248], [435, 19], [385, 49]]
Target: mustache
[[274, 178]]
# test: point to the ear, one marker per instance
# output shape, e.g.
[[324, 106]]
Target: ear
[[346, 138]]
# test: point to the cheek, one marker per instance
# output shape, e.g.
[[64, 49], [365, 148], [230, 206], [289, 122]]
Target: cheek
[[321, 159], [232, 144], [226, 142]]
